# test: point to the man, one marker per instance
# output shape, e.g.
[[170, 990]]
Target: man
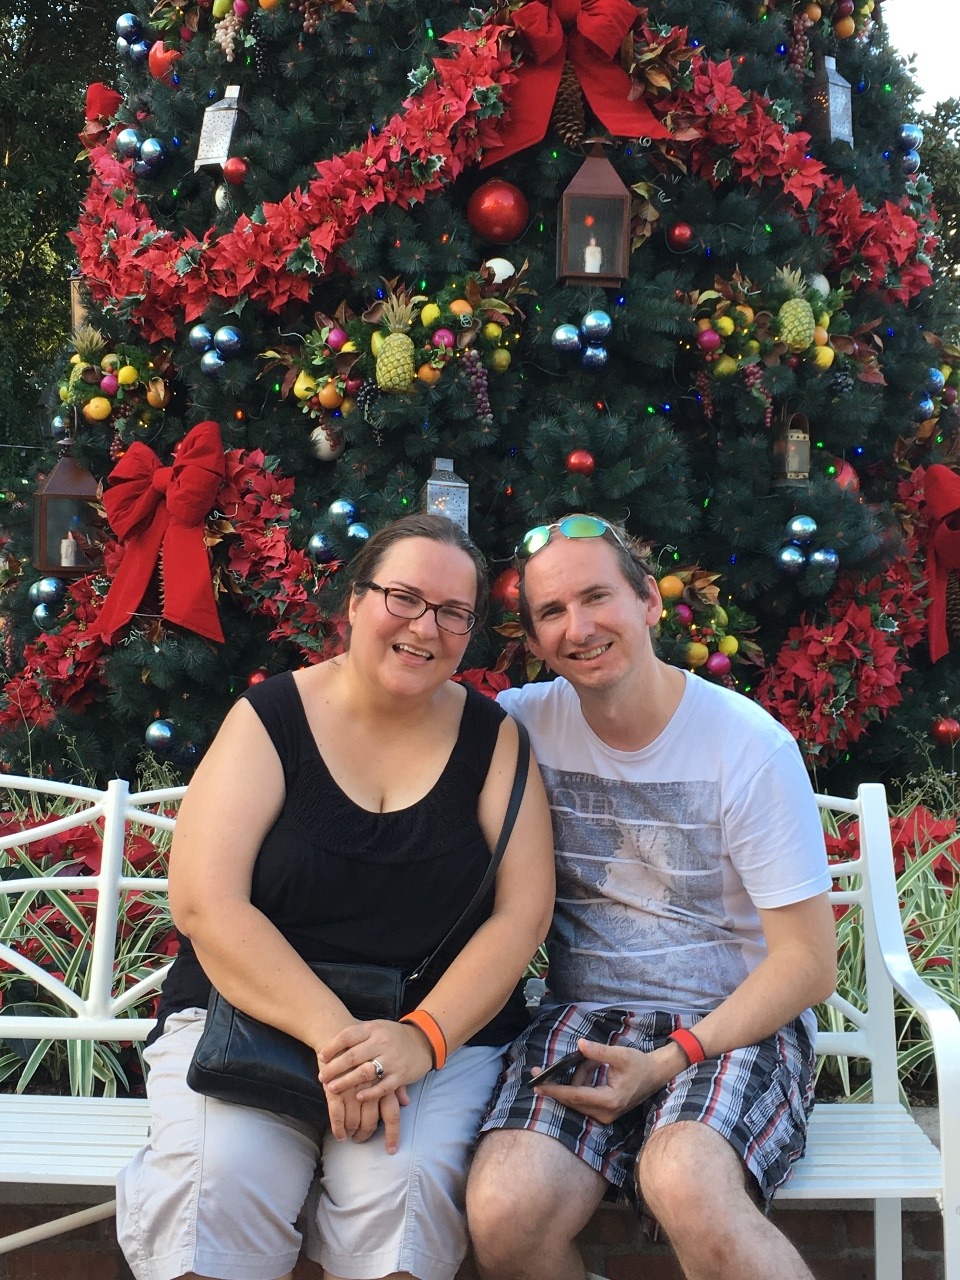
[[692, 934]]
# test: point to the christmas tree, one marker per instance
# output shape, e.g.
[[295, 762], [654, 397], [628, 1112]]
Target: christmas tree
[[337, 259]]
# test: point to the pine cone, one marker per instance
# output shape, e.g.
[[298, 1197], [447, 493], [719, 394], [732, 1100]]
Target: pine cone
[[953, 609], [568, 115]]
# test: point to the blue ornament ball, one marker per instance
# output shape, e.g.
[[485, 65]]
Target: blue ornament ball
[[122, 47], [142, 169], [48, 591], [342, 511], [800, 529], [790, 560], [910, 163], [139, 50], [596, 326], [824, 558], [200, 338], [128, 143], [33, 595], [593, 358], [129, 26], [211, 363], [925, 409], [187, 753], [228, 340], [321, 549], [910, 137], [160, 736], [45, 617], [358, 532], [935, 381], [566, 337], [58, 427], [152, 152]]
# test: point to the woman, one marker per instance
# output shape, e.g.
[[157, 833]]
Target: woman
[[346, 812]]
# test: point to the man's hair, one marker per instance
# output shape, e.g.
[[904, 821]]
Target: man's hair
[[368, 560], [630, 559]]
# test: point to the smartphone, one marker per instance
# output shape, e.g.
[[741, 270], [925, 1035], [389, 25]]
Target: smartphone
[[562, 1066]]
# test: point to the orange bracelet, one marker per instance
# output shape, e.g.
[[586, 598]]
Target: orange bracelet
[[431, 1028], [690, 1045]]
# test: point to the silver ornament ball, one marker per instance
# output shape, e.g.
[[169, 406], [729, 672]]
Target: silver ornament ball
[[160, 736], [593, 358], [824, 558], [128, 143], [228, 340], [596, 326], [128, 26], [341, 511], [45, 617], [200, 338], [320, 548], [153, 152], [358, 532], [800, 529], [566, 338], [211, 363], [790, 560]]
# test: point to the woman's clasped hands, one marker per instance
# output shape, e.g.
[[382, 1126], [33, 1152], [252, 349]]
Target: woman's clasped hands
[[359, 1095]]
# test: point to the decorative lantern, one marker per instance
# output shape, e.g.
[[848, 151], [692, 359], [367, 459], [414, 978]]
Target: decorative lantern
[[791, 451], [593, 239], [216, 132], [63, 521], [78, 301], [830, 115], [448, 495]]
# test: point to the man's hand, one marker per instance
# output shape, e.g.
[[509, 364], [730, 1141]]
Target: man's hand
[[623, 1079]]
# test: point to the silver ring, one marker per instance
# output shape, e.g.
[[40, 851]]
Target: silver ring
[[378, 1067]]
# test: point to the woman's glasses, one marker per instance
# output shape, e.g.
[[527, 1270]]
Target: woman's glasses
[[407, 604], [579, 526]]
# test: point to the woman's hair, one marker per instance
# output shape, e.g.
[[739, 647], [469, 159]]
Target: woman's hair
[[367, 562]]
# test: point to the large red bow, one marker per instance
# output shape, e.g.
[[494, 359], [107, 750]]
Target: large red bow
[[158, 513], [941, 493], [589, 33]]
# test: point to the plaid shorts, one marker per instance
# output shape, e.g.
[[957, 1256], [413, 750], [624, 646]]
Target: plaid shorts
[[758, 1097]]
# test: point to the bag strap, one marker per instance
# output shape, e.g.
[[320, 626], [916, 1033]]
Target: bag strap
[[509, 818]]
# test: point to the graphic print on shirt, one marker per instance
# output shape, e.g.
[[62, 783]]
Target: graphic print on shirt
[[640, 913]]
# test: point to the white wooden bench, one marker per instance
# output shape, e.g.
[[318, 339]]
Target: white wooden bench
[[856, 1151]]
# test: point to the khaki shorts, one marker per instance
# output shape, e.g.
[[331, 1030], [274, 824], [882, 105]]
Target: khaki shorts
[[220, 1188]]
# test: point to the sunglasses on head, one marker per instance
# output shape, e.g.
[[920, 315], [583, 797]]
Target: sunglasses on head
[[579, 526]]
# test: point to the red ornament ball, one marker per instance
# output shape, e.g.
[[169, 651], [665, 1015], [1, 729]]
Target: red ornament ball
[[709, 340], [945, 731], [680, 236], [498, 211], [581, 462], [847, 478], [948, 396], [235, 170], [256, 677], [718, 664], [505, 591]]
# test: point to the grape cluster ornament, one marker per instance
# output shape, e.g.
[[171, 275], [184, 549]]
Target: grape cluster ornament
[[594, 329]]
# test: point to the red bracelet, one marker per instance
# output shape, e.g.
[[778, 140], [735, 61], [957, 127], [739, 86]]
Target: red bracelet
[[431, 1028], [690, 1045]]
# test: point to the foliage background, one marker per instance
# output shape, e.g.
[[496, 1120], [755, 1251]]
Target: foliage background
[[49, 53]]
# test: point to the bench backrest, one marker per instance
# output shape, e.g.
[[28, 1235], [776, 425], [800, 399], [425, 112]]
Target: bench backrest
[[95, 1010], [94, 1007]]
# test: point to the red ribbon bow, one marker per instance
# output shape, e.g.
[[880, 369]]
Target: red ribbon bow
[[589, 33], [941, 494], [158, 513]]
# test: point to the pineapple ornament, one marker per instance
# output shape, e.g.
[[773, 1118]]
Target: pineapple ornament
[[395, 353], [797, 321]]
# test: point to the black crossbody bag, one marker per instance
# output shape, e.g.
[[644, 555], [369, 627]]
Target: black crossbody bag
[[240, 1059]]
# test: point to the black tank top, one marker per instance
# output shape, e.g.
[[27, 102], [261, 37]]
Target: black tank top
[[343, 883]]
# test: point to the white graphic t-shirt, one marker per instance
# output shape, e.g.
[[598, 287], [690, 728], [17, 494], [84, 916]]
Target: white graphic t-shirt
[[664, 854]]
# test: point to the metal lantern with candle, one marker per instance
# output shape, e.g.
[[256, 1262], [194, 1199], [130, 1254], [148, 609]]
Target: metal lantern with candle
[[593, 238], [829, 117], [64, 523], [448, 495]]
